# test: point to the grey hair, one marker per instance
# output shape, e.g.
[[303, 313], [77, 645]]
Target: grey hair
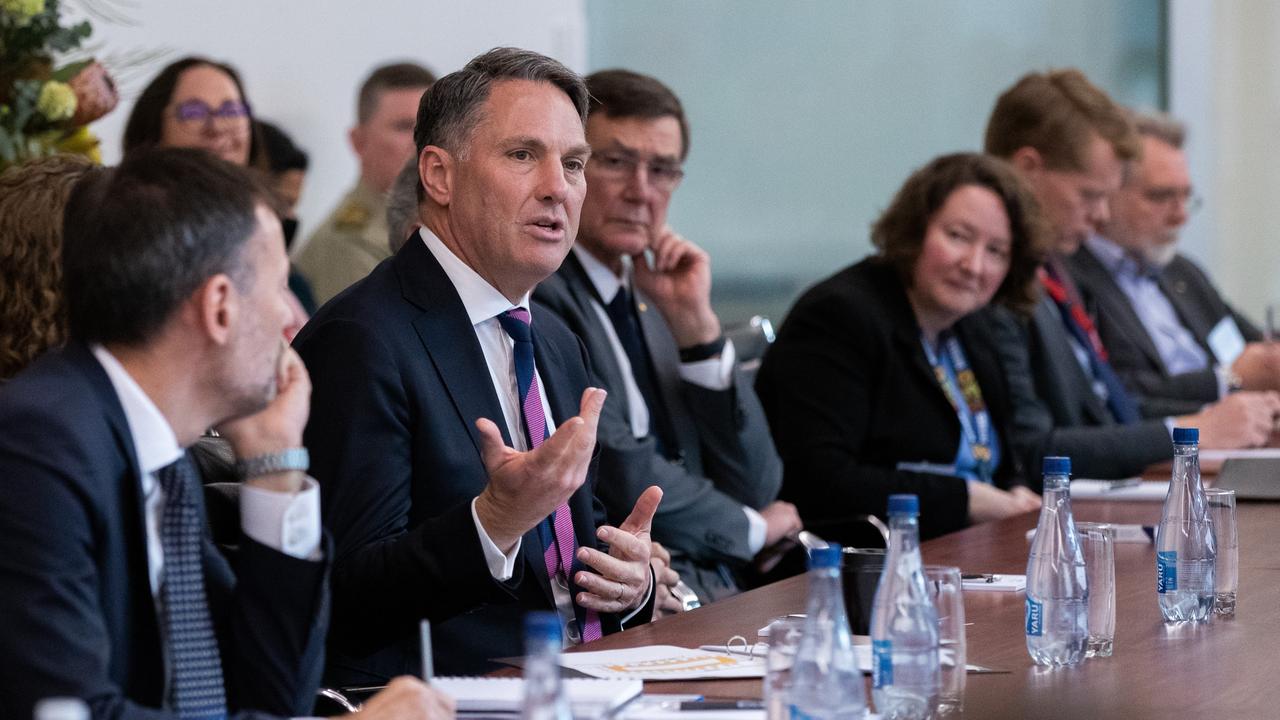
[[1161, 126], [451, 108], [402, 205]]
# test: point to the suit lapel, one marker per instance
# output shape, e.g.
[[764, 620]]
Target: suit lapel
[[1174, 283], [134, 504], [1113, 303], [449, 340], [664, 356], [603, 360]]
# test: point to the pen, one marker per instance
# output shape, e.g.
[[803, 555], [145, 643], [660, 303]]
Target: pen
[[424, 637], [985, 577], [722, 705]]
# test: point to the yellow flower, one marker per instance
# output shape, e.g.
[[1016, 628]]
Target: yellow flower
[[81, 142], [57, 100], [22, 10]]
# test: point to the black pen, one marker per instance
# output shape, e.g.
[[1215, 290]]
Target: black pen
[[985, 577], [721, 705]]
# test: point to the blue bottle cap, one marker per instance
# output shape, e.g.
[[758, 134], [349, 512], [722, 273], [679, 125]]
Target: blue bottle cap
[[1053, 465], [904, 505], [1186, 436], [827, 557], [542, 624]]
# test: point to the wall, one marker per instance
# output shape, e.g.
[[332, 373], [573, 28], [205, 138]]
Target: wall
[[1225, 83], [303, 60], [807, 116]]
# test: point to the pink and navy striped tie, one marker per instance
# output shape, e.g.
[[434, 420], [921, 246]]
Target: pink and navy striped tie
[[559, 553]]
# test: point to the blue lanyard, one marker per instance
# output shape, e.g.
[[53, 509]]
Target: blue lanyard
[[975, 421]]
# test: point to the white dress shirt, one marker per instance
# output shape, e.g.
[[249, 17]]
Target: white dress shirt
[[484, 303], [287, 522], [712, 373]]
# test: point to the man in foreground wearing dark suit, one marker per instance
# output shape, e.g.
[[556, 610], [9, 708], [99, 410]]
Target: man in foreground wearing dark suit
[[1070, 141], [176, 298], [688, 421], [453, 455], [1172, 338]]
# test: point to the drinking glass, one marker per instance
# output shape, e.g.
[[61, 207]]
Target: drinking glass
[[1098, 543], [1221, 504], [946, 591], [784, 641]]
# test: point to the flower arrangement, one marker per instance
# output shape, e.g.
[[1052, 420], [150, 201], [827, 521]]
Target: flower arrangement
[[45, 108]]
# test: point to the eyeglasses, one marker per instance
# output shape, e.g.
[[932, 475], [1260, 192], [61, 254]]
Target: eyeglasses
[[1169, 197], [197, 112], [663, 175]]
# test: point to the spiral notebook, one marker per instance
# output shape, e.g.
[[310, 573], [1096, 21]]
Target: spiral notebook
[[588, 697]]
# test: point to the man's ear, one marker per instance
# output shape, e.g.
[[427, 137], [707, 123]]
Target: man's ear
[[356, 137], [1027, 159], [436, 169], [216, 306]]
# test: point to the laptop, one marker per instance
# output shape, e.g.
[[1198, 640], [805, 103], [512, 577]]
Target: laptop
[[1251, 478]]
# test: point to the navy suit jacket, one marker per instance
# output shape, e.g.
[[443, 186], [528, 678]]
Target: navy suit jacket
[[723, 455], [399, 380], [77, 617], [850, 394]]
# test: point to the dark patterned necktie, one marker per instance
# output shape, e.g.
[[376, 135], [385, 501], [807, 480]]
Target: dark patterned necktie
[[622, 312], [557, 555], [195, 668]]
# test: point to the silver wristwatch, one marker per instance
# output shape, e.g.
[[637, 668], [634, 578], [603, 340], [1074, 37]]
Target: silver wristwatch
[[292, 459]]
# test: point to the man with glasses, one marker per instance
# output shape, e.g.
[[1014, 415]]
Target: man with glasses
[[639, 295], [1069, 141], [1172, 338]]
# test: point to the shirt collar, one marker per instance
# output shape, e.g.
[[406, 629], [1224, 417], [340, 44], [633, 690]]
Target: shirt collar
[[1115, 259], [607, 284], [481, 300], [153, 438]]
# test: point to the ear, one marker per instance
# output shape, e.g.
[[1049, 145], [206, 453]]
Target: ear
[[436, 168], [217, 307], [1027, 159], [357, 139]]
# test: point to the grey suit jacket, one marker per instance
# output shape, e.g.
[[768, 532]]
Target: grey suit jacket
[[1055, 411], [725, 457], [1133, 353]]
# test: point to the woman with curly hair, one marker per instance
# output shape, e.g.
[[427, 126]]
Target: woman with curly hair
[[32, 197]]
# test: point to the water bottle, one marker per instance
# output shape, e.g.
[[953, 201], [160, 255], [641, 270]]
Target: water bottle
[[905, 668], [1057, 619], [544, 697], [825, 681], [1185, 548]]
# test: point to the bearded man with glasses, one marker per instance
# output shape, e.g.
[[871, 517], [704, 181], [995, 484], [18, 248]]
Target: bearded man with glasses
[[1173, 339]]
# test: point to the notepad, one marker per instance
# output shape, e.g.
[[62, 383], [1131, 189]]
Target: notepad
[[663, 662], [588, 697], [1119, 490]]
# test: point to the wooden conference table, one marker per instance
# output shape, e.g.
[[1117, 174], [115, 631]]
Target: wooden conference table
[[1222, 669]]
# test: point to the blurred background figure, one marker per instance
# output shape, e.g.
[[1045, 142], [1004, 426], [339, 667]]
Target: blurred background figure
[[198, 103], [32, 197], [287, 171], [882, 380], [353, 238]]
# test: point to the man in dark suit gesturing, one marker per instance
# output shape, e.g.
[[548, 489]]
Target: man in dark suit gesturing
[[176, 298], [450, 445], [691, 424]]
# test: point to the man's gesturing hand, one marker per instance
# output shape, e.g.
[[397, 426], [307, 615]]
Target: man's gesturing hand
[[525, 487], [621, 580]]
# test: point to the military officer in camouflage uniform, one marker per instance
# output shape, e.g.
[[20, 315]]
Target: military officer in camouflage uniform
[[353, 239]]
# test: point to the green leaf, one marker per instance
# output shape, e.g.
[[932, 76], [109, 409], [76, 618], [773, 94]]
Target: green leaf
[[66, 72]]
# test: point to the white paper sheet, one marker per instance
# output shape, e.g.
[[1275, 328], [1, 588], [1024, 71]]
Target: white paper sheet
[[664, 662], [1119, 490]]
